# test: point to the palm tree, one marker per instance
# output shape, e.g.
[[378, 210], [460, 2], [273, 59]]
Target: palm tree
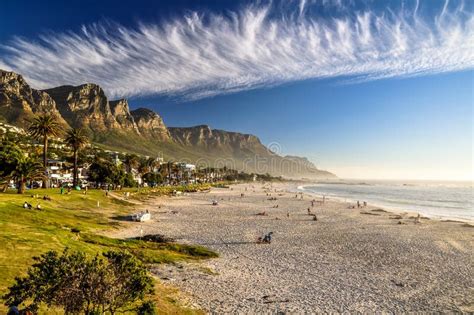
[[27, 168], [41, 128], [10, 153], [76, 139]]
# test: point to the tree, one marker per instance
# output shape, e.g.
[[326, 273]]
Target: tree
[[102, 172], [42, 128], [152, 179], [15, 165], [147, 308], [27, 169], [106, 172], [154, 163], [76, 139], [10, 153], [129, 181], [76, 283], [131, 161], [144, 167]]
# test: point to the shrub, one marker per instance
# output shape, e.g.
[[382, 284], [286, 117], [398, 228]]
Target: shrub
[[79, 284], [147, 308]]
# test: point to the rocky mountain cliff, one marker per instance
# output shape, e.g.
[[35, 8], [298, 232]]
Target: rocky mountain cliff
[[150, 124], [84, 106], [111, 123], [121, 111], [19, 102], [211, 139]]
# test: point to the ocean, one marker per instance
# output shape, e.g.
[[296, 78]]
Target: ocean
[[442, 200]]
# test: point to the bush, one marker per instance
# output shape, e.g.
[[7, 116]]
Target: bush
[[147, 308], [79, 284], [152, 179]]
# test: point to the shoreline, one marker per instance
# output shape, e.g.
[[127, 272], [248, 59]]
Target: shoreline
[[392, 209], [349, 260]]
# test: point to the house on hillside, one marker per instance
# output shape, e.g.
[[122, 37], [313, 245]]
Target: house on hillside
[[58, 173], [137, 176]]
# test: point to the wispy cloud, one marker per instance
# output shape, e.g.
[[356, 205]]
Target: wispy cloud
[[200, 55]]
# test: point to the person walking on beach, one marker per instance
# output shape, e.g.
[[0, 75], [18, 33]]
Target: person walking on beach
[[417, 219], [358, 204]]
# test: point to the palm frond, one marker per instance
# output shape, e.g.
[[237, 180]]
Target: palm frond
[[76, 138], [44, 126]]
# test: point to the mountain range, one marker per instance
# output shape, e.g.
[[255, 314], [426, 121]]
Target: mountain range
[[112, 125]]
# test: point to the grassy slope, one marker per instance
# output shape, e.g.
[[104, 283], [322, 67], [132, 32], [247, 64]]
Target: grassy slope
[[136, 144], [26, 233]]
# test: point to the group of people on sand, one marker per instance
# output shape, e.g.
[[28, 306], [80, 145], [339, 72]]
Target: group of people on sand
[[267, 238], [358, 205], [263, 239]]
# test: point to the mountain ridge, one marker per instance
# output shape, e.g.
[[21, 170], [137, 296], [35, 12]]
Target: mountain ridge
[[112, 124]]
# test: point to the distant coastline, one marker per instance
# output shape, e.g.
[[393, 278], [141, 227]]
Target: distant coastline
[[442, 200]]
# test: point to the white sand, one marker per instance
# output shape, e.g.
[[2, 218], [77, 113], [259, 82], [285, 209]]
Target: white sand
[[344, 262]]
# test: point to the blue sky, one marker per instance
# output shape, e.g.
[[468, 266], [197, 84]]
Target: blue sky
[[366, 89]]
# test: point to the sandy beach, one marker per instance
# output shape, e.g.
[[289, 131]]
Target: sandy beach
[[349, 260]]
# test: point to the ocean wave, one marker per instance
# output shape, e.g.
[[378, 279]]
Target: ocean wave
[[433, 200]]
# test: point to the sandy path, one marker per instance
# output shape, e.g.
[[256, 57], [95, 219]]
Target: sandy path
[[345, 261]]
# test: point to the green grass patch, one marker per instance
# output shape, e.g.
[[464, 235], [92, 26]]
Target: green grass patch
[[151, 252], [73, 220]]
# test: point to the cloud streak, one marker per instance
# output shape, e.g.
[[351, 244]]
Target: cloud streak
[[202, 55]]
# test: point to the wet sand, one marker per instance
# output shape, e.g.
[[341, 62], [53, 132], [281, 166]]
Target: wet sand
[[349, 260]]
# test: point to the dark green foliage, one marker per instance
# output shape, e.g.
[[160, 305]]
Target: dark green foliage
[[131, 161], [147, 308], [156, 238], [152, 179], [106, 172], [79, 284], [128, 181], [15, 165], [232, 175], [10, 153], [27, 168]]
